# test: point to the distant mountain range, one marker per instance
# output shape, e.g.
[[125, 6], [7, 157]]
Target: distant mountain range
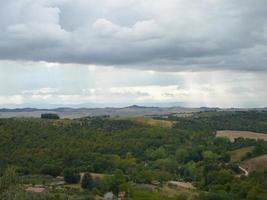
[[134, 110]]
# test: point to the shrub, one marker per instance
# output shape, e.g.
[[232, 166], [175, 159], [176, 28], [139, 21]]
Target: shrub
[[87, 181], [71, 175], [51, 170]]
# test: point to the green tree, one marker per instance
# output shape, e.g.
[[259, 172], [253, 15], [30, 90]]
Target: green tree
[[87, 181], [51, 170], [9, 185], [71, 175], [189, 171], [225, 157], [50, 116], [209, 156], [181, 155], [116, 180]]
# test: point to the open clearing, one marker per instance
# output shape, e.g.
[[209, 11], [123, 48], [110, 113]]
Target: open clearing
[[257, 163], [179, 184], [179, 191], [232, 135], [239, 154], [153, 122]]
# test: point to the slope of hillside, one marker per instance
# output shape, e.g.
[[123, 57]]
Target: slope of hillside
[[133, 111], [232, 135], [257, 163], [84, 112]]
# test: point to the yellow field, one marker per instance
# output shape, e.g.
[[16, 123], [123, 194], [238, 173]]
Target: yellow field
[[232, 135]]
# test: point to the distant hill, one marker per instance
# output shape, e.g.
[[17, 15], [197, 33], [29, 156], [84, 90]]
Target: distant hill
[[134, 110]]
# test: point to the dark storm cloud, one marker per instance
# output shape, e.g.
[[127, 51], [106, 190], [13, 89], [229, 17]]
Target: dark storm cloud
[[164, 35]]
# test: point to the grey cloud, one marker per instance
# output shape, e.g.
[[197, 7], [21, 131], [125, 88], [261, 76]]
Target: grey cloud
[[172, 35]]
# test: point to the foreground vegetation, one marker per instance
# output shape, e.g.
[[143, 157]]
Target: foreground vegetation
[[131, 158]]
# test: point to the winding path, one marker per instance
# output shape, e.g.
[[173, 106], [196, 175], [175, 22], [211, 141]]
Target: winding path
[[244, 170]]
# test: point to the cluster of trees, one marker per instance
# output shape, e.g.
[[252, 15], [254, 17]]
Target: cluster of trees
[[134, 153], [113, 182], [50, 116], [212, 121]]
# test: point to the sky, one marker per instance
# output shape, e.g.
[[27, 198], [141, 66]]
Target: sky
[[102, 53]]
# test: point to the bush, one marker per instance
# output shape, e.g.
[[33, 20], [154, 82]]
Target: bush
[[51, 170], [87, 181], [71, 175]]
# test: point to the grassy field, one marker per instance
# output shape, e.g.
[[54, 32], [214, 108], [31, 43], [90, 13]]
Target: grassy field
[[153, 122], [232, 135], [179, 192], [164, 193], [239, 154], [257, 163]]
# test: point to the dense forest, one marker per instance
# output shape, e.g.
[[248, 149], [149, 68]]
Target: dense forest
[[132, 157]]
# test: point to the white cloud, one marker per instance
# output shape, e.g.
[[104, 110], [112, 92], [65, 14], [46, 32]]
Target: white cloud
[[12, 99], [41, 91], [37, 84], [142, 30]]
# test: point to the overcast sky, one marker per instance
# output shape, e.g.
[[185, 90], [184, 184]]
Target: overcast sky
[[122, 52]]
